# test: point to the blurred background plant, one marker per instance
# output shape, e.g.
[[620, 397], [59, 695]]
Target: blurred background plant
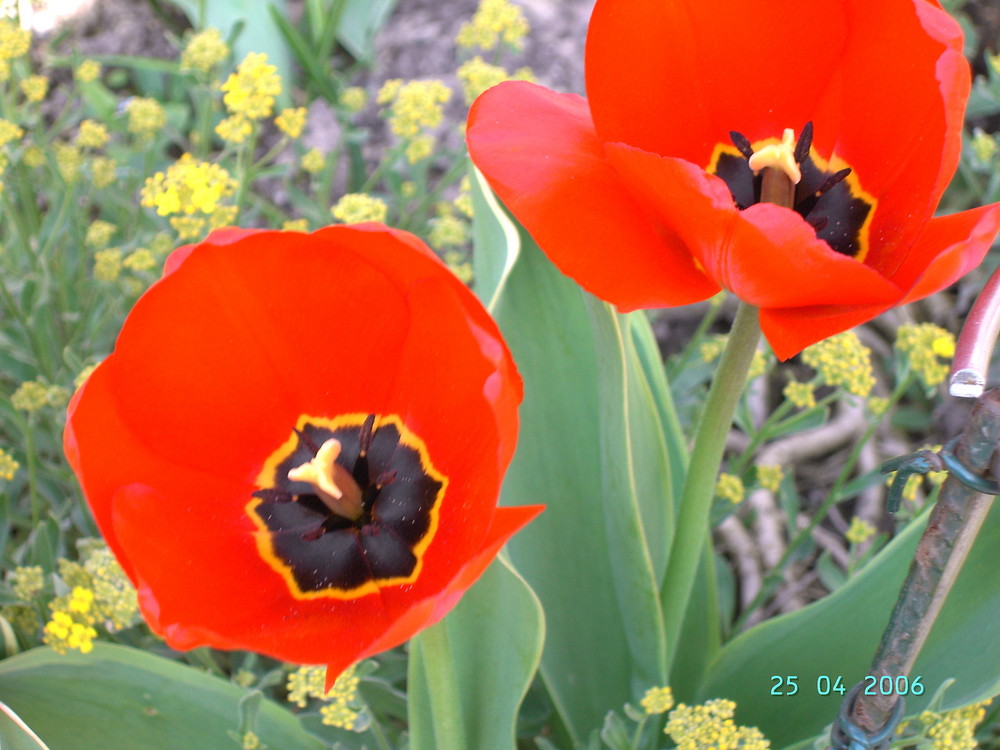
[[283, 118]]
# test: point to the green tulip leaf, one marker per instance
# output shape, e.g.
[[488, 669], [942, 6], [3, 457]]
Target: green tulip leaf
[[15, 734]]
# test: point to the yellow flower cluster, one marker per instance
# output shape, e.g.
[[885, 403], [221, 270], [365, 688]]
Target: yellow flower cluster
[[103, 171], [27, 582], [477, 75], [305, 683], [9, 132], [459, 264], [82, 376], [14, 41], [313, 161], [447, 230], [494, 21], [984, 146], [878, 405], [204, 51], [954, 730], [842, 360], [925, 346], [111, 596], [108, 264], [251, 90], [140, 259], [99, 234], [711, 725], [35, 88], [234, 129], [353, 99], [68, 160], [729, 487], [250, 741], [92, 134], [657, 700], [414, 106], [71, 626], [295, 225], [355, 208], [291, 122], [30, 396], [860, 531], [464, 200], [145, 116], [770, 476], [712, 347], [188, 187], [87, 71], [341, 704], [8, 465]]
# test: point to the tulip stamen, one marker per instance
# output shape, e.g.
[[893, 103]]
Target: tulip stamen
[[333, 484], [780, 156]]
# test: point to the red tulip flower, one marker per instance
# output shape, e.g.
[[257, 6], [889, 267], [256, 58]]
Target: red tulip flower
[[652, 192], [297, 445]]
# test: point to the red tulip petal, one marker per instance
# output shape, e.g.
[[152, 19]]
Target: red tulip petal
[[789, 330], [674, 78], [904, 161], [766, 255], [539, 152], [949, 248], [506, 523]]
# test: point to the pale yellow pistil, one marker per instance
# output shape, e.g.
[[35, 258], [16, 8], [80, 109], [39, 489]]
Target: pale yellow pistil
[[332, 483], [780, 156]]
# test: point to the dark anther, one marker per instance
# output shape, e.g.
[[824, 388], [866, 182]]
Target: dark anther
[[804, 143], [742, 144], [272, 495], [386, 478], [365, 437], [832, 180], [818, 222], [314, 534], [307, 441]]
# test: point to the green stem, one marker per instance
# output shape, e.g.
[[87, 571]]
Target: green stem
[[379, 734], [706, 457], [442, 685], [32, 459]]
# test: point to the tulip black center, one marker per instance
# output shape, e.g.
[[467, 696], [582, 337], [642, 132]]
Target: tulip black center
[[827, 200], [322, 553]]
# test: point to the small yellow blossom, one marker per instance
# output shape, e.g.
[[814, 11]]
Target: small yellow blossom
[[188, 187], [33, 156], [35, 88], [87, 71], [448, 231], [305, 683], [14, 41], [244, 678], [878, 405], [388, 91], [251, 90], [115, 602], [353, 99], [464, 200], [295, 225], [83, 375], [860, 531], [843, 361], [984, 146], [419, 148], [140, 259], [92, 134], [161, 244], [493, 21], [27, 582], [925, 346], [250, 741], [342, 700], [712, 347], [103, 171], [291, 121], [729, 487], [9, 132], [355, 208], [68, 160], [57, 396], [8, 465], [204, 51], [188, 227], [954, 730], [146, 116], [711, 725], [108, 264], [64, 633], [223, 216], [99, 234], [657, 700], [770, 476], [802, 395], [477, 75], [414, 106], [313, 161], [30, 396], [459, 265], [80, 600], [234, 129]]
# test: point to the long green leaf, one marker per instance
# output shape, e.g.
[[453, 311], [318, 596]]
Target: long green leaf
[[15, 734], [495, 633], [119, 698], [359, 22], [837, 636]]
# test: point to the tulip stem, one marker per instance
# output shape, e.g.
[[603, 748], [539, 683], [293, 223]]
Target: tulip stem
[[442, 686], [706, 457]]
